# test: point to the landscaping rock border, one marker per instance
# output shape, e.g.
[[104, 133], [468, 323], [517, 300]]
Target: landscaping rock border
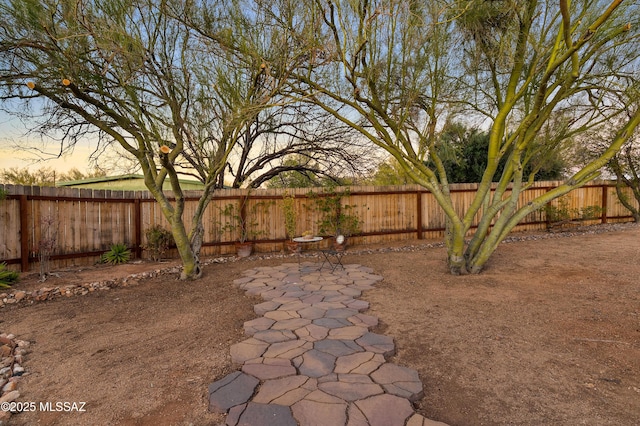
[[12, 352]]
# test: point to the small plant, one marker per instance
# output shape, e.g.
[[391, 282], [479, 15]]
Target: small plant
[[118, 253], [591, 212], [7, 278], [559, 213], [158, 242], [46, 245], [562, 213], [290, 216], [3, 194], [335, 218], [243, 221]]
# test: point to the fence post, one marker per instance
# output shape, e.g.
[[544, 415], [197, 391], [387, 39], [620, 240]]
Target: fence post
[[419, 214], [137, 228], [24, 233], [605, 202]]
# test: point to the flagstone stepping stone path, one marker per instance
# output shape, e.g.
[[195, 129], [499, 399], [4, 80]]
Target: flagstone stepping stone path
[[312, 359]]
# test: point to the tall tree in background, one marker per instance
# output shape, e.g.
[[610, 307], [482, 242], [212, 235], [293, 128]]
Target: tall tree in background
[[538, 72], [389, 172], [463, 151], [128, 73], [296, 139], [284, 136]]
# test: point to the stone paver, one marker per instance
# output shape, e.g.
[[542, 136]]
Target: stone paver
[[236, 388], [312, 359]]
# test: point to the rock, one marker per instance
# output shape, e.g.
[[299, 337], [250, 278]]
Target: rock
[[5, 351], [6, 363], [269, 368], [234, 389], [19, 295], [266, 415], [10, 396], [399, 381], [352, 391], [384, 410], [318, 413], [10, 387]]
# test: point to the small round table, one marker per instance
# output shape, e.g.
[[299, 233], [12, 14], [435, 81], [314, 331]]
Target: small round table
[[303, 240]]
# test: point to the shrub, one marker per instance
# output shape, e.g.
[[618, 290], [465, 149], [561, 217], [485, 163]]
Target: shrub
[[118, 253], [290, 216], [591, 212], [563, 213], [335, 218], [47, 244], [559, 213], [7, 278], [158, 241]]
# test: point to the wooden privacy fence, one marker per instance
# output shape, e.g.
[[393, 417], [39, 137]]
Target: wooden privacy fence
[[87, 222]]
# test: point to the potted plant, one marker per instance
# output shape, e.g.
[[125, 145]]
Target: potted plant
[[243, 222], [290, 217]]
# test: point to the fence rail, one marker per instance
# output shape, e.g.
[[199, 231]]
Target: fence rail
[[87, 222]]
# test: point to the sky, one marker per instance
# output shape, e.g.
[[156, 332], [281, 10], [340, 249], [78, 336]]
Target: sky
[[13, 132]]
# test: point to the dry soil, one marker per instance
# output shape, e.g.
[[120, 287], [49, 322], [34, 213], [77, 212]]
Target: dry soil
[[548, 334]]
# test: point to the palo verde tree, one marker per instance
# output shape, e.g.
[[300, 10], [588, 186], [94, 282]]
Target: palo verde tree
[[127, 72], [536, 73], [624, 166]]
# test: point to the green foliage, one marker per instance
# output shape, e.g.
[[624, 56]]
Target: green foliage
[[7, 278], [335, 218], [464, 153], [389, 173], [3, 194], [117, 254], [558, 213], [590, 212], [290, 215], [242, 220], [562, 212], [158, 241]]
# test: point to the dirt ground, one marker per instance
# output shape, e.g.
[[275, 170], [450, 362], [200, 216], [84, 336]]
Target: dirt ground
[[549, 334]]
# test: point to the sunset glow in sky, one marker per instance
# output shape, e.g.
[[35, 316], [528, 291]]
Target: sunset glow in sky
[[12, 132]]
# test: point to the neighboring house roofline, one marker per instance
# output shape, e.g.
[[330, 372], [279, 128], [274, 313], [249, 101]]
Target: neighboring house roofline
[[115, 178]]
